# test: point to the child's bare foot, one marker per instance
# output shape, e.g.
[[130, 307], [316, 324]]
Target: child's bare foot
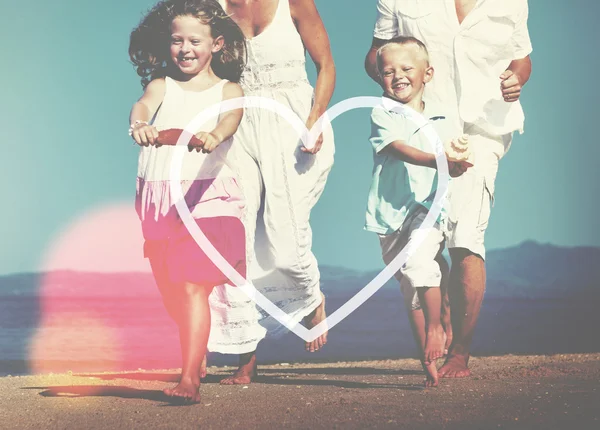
[[186, 391], [313, 319], [431, 374], [203, 368], [448, 334], [456, 366], [435, 344], [245, 373]]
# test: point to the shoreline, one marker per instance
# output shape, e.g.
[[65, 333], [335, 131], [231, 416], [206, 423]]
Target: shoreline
[[524, 391]]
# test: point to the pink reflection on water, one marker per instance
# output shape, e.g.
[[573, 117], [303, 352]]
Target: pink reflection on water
[[100, 309]]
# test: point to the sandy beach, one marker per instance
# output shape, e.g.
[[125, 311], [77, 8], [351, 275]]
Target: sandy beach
[[509, 392]]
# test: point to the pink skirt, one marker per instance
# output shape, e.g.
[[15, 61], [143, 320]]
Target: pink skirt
[[186, 262]]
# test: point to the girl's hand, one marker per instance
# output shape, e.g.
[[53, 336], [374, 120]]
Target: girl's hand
[[207, 142], [144, 134], [312, 119]]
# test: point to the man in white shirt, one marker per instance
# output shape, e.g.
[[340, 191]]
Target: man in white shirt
[[480, 52]]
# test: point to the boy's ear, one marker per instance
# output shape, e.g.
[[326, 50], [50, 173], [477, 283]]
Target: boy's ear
[[428, 74], [218, 44]]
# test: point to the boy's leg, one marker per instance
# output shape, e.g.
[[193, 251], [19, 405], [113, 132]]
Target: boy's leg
[[431, 302], [416, 317], [194, 328], [446, 314]]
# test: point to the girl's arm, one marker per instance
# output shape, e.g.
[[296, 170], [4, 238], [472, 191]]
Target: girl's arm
[[228, 123], [315, 39], [143, 110]]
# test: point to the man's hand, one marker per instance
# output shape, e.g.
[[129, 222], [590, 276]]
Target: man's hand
[[510, 85]]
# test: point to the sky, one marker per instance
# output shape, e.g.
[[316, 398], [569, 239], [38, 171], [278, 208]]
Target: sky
[[68, 167]]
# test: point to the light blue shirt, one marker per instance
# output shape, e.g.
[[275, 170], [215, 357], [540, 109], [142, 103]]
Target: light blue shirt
[[399, 188]]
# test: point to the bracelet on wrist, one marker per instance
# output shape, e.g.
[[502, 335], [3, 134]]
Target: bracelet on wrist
[[135, 124]]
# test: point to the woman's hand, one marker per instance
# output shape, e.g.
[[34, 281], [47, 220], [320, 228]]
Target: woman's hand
[[319, 142]]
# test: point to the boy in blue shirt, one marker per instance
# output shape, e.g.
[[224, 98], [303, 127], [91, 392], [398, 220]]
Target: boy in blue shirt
[[403, 187]]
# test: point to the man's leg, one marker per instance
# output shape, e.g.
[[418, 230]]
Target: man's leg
[[466, 290]]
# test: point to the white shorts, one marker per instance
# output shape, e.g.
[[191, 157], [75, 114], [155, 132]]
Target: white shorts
[[471, 195], [421, 269]]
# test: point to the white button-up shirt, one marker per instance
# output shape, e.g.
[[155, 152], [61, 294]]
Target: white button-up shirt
[[468, 58]]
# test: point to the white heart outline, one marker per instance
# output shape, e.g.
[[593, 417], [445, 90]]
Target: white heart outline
[[307, 136]]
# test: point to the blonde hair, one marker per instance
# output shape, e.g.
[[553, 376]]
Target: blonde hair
[[402, 41]]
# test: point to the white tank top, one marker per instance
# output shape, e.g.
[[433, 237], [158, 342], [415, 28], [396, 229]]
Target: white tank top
[[178, 109], [276, 56]]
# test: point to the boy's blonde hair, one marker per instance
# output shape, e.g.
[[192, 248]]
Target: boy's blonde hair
[[402, 41]]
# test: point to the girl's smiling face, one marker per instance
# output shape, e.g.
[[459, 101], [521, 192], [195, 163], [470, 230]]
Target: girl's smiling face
[[192, 45]]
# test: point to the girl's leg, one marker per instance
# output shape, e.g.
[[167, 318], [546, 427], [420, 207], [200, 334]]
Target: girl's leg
[[194, 329], [161, 276]]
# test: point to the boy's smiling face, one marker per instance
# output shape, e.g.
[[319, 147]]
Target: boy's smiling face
[[404, 71]]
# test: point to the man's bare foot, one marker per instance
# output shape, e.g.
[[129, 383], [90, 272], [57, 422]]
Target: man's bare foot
[[245, 373], [456, 366], [203, 368], [431, 374], [311, 320], [434, 345], [186, 391]]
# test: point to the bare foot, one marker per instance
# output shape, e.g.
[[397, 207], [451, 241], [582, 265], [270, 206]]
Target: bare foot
[[456, 366], [186, 391], [203, 368], [245, 373], [431, 373], [311, 320], [434, 345]]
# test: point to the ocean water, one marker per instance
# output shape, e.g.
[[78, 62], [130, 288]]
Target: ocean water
[[112, 333]]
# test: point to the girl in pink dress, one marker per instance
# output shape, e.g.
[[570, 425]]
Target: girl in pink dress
[[190, 56]]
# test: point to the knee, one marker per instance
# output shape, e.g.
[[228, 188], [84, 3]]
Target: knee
[[464, 256], [190, 290]]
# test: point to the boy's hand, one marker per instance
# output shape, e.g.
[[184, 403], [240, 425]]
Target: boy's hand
[[207, 142], [144, 134], [457, 168], [510, 86]]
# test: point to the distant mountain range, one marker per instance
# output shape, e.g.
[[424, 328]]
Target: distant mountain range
[[529, 270]]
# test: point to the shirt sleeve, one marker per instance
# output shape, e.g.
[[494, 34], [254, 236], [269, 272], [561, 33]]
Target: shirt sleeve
[[386, 26], [386, 128], [520, 39]]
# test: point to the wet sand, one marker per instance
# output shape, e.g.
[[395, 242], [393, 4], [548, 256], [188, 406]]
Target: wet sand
[[508, 392]]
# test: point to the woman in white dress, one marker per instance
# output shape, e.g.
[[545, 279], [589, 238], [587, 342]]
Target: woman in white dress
[[281, 179]]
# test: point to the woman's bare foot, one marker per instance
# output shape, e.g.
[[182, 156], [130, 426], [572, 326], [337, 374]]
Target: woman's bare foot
[[435, 344], [431, 374], [313, 319], [245, 373], [187, 391], [456, 366], [203, 368]]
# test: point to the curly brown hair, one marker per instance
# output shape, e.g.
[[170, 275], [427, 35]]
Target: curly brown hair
[[149, 42]]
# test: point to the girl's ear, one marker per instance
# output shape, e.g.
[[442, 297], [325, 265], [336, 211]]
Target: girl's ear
[[218, 44]]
